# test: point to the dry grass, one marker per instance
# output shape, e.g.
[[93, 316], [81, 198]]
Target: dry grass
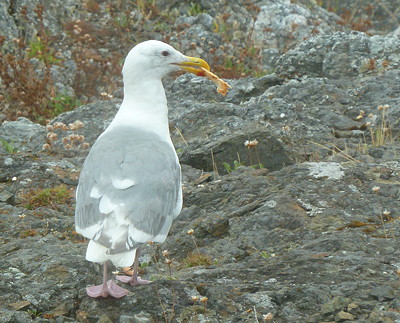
[[336, 151], [28, 93], [382, 133], [26, 74]]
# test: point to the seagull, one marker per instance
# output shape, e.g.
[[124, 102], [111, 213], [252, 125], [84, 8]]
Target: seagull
[[129, 188]]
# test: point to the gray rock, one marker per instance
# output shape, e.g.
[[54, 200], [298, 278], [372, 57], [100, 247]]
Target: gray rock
[[54, 16], [64, 77], [215, 155], [341, 55], [8, 316], [95, 118], [342, 315], [7, 25], [335, 305], [396, 32], [141, 317], [383, 17], [281, 25], [23, 134], [327, 170], [6, 196]]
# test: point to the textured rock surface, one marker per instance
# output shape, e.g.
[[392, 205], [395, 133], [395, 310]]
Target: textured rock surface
[[372, 17], [342, 55], [23, 134], [312, 236]]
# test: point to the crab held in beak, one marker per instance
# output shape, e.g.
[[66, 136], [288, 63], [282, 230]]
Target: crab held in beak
[[200, 67], [194, 65]]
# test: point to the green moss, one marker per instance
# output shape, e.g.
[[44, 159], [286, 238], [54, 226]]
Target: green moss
[[28, 233], [49, 197], [196, 259]]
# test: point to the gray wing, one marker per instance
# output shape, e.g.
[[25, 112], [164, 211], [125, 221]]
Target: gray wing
[[129, 189]]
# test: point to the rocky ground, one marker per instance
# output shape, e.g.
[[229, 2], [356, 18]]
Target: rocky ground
[[302, 226]]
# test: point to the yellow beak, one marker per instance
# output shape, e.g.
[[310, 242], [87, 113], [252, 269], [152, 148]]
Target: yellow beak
[[193, 64]]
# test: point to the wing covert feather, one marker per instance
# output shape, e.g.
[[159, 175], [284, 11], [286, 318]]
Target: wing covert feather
[[143, 163]]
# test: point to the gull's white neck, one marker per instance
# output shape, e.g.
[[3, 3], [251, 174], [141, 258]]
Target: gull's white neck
[[144, 106]]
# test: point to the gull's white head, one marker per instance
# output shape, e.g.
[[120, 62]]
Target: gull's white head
[[154, 59]]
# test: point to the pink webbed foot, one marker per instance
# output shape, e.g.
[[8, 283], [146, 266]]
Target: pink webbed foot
[[108, 289], [133, 281]]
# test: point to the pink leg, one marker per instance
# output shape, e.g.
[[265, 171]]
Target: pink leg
[[107, 288], [135, 279]]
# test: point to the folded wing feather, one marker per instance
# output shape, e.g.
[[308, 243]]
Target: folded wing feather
[[128, 196]]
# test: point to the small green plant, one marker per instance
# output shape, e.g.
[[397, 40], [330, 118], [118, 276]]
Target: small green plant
[[229, 169], [144, 265], [195, 9], [263, 253], [8, 147], [146, 6], [63, 102], [34, 313], [39, 48], [229, 62], [122, 20], [49, 197], [259, 165], [161, 27]]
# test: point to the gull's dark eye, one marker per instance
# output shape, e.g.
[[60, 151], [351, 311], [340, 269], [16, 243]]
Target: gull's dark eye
[[165, 53]]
